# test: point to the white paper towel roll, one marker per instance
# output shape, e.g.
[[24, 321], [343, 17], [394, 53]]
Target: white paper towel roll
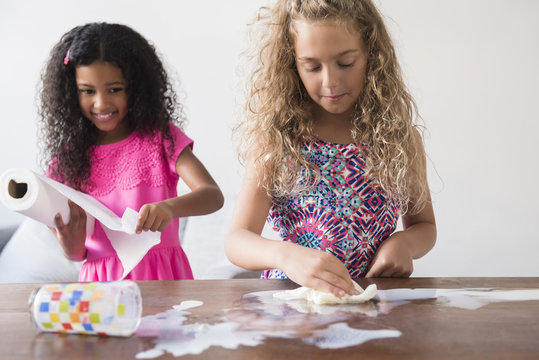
[[26, 192], [41, 198]]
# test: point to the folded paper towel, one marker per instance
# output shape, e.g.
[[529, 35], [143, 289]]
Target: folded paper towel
[[41, 198]]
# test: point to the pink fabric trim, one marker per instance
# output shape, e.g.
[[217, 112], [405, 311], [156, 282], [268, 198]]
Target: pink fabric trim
[[173, 265]]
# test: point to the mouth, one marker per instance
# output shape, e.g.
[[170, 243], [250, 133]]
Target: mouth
[[104, 116], [333, 98]]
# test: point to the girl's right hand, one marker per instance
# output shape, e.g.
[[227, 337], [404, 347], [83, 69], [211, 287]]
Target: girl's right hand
[[154, 217], [72, 235], [315, 269]]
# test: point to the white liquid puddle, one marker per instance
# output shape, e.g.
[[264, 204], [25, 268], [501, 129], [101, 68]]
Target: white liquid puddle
[[188, 304], [196, 338], [340, 335], [259, 316], [178, 339], [467, 299]]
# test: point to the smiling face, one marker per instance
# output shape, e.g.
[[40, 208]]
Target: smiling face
[[103, 100], [331, 62]]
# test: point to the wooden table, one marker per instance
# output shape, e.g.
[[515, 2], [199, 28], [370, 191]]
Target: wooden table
[[430, 330]]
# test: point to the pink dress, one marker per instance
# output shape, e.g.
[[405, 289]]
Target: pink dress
[[130, 173]]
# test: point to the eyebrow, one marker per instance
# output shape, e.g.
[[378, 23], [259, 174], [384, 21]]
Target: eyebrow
[[346, 52], [107, 84]]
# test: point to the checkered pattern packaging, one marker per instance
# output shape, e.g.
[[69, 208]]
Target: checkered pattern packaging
[[98, 308]]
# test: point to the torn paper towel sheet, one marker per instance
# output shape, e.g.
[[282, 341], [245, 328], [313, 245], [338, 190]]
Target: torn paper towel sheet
[[41, 198], [323, 298]]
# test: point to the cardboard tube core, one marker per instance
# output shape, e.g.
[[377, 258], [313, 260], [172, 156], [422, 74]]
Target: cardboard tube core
[[17, 190]]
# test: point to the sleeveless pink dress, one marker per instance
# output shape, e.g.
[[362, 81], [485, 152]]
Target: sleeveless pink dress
[[130, 173]]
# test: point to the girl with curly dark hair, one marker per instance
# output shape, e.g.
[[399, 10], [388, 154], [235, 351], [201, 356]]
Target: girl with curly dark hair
[[111, 126]]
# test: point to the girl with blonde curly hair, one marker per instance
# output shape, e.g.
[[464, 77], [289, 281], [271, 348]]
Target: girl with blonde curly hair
[[333, 156]]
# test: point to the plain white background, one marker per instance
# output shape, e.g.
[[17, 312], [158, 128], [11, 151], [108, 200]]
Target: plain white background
[[472, 66]]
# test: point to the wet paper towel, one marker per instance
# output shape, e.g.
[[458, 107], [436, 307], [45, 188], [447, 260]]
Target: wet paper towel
[[41, 198]]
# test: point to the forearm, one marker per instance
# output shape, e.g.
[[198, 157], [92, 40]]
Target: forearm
[[201, 201], [74, 250], [250, 251], [74, 253], [305, 266], [419, 237], [419, 231]]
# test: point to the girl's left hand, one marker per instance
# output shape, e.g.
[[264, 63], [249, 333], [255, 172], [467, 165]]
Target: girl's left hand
[[393, 258], [154, 217]]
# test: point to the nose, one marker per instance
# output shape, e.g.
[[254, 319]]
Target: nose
[[330, 77], [100, 101]]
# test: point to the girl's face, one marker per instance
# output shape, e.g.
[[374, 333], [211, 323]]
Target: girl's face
[[331, 62], [103, 100]]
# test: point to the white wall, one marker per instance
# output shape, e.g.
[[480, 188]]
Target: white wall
[[473, 68], [471, 64]]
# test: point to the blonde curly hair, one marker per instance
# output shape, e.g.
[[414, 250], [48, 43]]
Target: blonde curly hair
[[278, 119]]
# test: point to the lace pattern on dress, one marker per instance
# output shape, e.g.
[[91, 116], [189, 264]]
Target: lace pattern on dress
[[128, 164]]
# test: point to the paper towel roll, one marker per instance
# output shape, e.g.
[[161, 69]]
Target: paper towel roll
[[41, 198], [27, 193]]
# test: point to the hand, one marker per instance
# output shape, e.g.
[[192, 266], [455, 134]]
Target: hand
[[72, 235], [393, 258], [155, 217], [316, 269]]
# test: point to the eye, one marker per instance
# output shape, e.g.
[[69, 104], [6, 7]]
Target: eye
[[86, 91], [346, 65], [312, 68], [115, 89]]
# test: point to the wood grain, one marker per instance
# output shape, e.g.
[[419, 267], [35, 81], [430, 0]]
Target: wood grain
[[503, 330]]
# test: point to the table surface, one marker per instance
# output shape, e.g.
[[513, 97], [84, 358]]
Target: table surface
[[429, 328]]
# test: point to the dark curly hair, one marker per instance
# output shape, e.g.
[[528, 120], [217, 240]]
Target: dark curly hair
[[68, 136]]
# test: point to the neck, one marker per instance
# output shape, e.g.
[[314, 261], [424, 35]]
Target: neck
[[333, 127], [111, 137]]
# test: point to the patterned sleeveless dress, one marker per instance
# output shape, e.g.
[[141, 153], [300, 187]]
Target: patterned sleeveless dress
[[345, 214]]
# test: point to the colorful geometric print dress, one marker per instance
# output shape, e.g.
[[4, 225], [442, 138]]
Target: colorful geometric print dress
[[345, 215]]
